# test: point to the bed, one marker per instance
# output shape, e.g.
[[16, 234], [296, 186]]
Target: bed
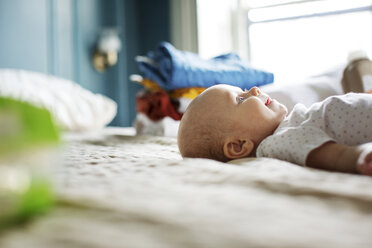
[[118, 189]]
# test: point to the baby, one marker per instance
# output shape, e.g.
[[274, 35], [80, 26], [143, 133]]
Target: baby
[[225, 123]]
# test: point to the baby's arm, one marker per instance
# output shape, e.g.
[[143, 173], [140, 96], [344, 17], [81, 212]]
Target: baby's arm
[[343, 158]]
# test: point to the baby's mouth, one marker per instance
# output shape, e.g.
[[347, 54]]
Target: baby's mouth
[[268, 101]]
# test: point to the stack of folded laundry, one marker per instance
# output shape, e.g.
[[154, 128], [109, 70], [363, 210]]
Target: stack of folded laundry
[[159, 111], [172, 78]]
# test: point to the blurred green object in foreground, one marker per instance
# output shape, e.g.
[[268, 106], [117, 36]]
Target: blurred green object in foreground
[[27, 138], [23, 125]]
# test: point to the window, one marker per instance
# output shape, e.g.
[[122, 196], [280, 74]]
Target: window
[[293, 39]]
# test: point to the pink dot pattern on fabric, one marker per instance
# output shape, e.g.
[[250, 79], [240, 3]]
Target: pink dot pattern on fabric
[[345, 119]]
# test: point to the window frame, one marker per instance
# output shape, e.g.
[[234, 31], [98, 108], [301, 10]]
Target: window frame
[[244, 43]]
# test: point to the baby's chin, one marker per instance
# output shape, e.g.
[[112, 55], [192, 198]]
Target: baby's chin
[[285, 110], [281, 109]]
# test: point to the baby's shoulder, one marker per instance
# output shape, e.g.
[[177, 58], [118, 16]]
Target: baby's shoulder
[[348, 98], [346, 102]]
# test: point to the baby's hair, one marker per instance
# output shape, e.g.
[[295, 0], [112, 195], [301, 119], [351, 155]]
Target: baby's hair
[[200, 138]]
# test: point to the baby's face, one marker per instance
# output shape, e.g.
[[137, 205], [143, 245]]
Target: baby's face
[[249, 111]]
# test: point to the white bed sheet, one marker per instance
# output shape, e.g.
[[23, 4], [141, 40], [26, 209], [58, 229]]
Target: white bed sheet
[[120, 190]]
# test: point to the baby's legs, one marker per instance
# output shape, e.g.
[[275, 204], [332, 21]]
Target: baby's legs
[[364, 162]]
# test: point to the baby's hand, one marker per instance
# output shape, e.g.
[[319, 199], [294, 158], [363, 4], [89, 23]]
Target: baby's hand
[[364, 162]]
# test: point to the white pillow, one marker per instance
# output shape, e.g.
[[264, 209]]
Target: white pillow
[[308, 91], [73, 107]]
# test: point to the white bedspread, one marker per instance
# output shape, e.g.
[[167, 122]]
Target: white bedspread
[[118, 190]]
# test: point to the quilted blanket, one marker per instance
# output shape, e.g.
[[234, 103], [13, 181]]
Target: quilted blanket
[[120, 190]]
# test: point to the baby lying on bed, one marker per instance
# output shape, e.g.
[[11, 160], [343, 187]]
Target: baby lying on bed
[[225, 123]]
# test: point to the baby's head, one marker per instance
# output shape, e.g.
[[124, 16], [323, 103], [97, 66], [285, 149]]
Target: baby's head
[[225, 123]]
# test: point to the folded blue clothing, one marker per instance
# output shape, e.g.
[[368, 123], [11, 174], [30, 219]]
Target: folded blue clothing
[[174, 69]]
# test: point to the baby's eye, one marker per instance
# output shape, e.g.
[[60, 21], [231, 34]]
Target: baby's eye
[[240, 99]]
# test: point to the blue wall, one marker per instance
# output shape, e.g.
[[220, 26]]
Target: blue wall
[[58, 37], [24, 34]]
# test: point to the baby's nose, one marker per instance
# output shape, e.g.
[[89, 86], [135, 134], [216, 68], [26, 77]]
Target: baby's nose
[[255, 91]]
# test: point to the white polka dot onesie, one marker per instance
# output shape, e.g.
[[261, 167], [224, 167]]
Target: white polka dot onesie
[[345, 119]]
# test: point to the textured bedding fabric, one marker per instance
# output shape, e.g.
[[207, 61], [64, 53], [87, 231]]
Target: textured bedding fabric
[[119, 190]]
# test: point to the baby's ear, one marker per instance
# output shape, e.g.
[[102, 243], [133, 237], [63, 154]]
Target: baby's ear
[[234, 148]]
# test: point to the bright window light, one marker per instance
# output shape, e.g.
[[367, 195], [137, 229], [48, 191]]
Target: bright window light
[[214, 27], [297, 48], [293, 39], [264, 3], [304, 9]]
